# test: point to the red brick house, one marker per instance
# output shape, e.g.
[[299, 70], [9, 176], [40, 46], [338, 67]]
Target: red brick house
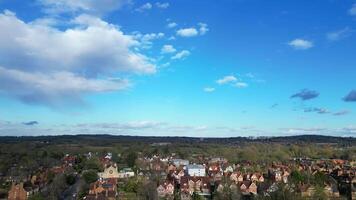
[[17, 192], [165, 189]]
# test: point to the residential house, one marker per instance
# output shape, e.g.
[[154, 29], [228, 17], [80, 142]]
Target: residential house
[[200, 185], [237, 177], [103, 189], [180, 162], [248, 187], [257, 177], [331, 191], [126, 173], [69, 160], [165, 189], [17, 192], [307, 190], [196, 170]]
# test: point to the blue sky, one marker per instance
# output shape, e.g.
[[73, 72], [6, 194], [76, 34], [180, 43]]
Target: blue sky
[[178, 68]]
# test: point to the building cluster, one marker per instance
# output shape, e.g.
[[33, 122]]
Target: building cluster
[[106, 186], [204, 177], [213, 175]]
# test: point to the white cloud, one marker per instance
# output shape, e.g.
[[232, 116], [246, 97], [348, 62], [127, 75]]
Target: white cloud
[[146, 6], [352, 10], [92, 48], [181, 55], [301, 44], [168, 49], [172, 25], [165, 64], [162, 5], [226, 79], [209, 89], [91, 6], [172, 38], [146, 40], [241, 85], [53, 88], [187, 32], [339, 34], [203, 28]]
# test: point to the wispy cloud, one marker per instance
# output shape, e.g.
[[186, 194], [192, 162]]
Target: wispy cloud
[[162, 5], [241, 85], [341, 113], [317, 110], [30, 123], [274, 105], [306, 94], [209, 89], [181, 55], [146, 6], [87, 6], [339, 34], [352, 10], [226, 79], [301, 44]]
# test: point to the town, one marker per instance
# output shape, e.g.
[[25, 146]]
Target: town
[[162, 173]]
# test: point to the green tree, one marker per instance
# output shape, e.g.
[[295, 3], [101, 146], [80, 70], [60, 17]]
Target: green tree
[[70, 179], [131, 159], [37, 196], [90, 176]]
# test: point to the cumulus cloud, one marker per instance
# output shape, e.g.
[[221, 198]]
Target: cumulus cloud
[[168, 49], [300, 44], [146, 6], [172, 25], [226, 79], [306, 94], [53, 88], [187, 32], [351, 97], [93, 47], [192, 31], [39, 61], [203, 28], [209, 89], [181, 55], [339, 34], [352, 10], [91, 6], [162, 5]]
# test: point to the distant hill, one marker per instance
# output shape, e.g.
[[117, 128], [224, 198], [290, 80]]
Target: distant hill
[[109, 139]]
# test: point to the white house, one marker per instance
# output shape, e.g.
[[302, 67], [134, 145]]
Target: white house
[[126, 172], [180, 162], [196, 170]]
